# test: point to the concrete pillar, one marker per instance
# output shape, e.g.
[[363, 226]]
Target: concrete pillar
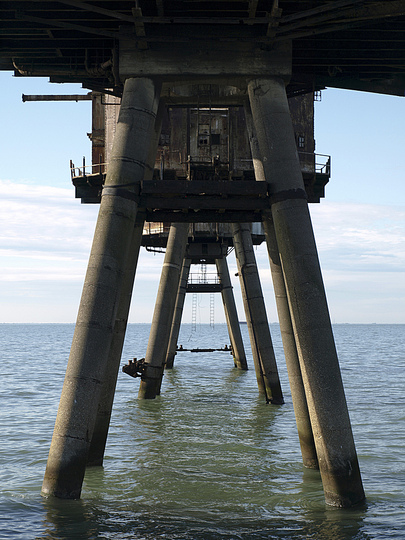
[[231, 314], [100, 433], [178, 313], [256, 317], [164, 310], [299, 399], [330, 421], [101, 292], [99, 439], [305, 435]]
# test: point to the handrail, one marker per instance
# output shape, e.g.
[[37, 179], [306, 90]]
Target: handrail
[[322, 165], [208, 278], [322, 162], [81, 171], [156, 228]]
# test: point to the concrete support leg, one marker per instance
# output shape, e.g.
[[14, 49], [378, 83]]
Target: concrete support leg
[[256, 317], [101, 292], [178, 313], [330, 421], [299, 399], [164, 311], [305, 435], [231, 314], [99, 439], [100, 433]]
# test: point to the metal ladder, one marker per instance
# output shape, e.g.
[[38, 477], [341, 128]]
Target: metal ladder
[[194, 313], [212, 310]]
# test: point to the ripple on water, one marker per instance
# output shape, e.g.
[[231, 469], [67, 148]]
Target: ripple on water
[[208, 459]]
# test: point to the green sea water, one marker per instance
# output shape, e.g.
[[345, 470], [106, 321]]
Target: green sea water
[[208, 459]]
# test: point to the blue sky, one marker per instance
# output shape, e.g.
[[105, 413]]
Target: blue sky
[[45, 234]]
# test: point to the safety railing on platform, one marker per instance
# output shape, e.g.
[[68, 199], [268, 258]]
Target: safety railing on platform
[[322, 164], [204, 278], [318, 163], [86, 170], [156, 228]]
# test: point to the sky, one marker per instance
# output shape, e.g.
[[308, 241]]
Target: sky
[[46, 234]]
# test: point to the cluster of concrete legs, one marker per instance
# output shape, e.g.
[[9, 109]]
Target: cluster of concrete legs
[[319, 402]]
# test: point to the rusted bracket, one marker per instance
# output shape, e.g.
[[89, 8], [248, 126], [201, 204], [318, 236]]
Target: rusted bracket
[[140, 368], [135, 368]]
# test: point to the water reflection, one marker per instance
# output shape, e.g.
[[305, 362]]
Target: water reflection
[[66, 520], [207, 460]]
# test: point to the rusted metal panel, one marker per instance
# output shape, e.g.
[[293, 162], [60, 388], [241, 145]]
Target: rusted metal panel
[[302, 114], [111, 111], [201, 148], [97, 135]]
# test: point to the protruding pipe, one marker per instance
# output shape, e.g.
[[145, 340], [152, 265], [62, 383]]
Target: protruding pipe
[[164, 310], [327, 406], [299, 399], [101, 292], [178, 313], [231, 314], [256, 317]]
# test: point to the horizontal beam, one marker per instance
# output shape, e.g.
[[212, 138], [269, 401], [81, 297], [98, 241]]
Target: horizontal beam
[[202, 216], [65, 97], [50, 23], [231, 60], [204, 287], [181, 188], [205, 202]]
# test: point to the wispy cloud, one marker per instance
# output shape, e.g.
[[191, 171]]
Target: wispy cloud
[[359, 237], [40, 221], [46, 235]]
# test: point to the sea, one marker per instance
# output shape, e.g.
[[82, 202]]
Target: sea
[[208, 459]]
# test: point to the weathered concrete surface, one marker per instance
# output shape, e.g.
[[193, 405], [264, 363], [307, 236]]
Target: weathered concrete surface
[[306, 295], [101, 292], [299, 399], [100, 433], [256, 317], [164, 310], [231, 314], [178, 313], [305, 435]]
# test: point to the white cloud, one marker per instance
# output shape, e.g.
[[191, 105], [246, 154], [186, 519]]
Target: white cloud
[[362, 254], [356, 237], [46, 235], [38, 220]]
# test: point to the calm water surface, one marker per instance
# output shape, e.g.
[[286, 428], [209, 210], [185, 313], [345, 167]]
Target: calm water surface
[[208, 459]]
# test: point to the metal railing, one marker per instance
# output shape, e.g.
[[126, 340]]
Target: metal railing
[[323, 164], [318, 163], [156, 228], [80, 172], [203, 278]]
